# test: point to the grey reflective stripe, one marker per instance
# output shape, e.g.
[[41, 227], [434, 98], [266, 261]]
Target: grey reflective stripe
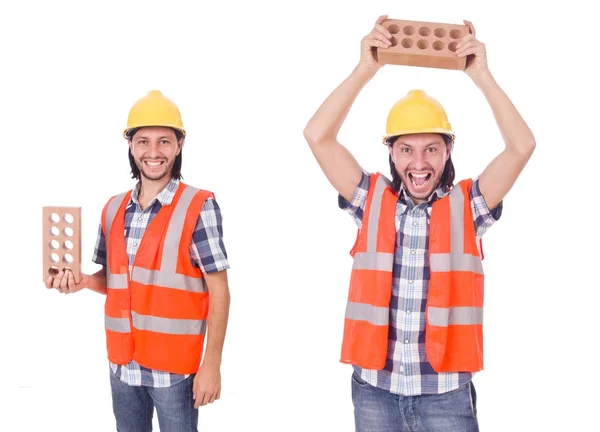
[[456, 260], [168, 325], [118, 280], [458, 315], [364, 312], [120, 325], [374, 213], [168, 279], [373, 261], [111, 212], [167, 276], [175, 229]]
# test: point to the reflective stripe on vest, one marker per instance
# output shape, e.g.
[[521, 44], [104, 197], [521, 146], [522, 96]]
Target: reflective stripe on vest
[[372, 260], [456, 260], [367, 315], [156, 324], [114, 280]]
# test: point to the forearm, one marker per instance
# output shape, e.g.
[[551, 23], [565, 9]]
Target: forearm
[[218, 314], [330, 116], [97, 282], [517, 136]]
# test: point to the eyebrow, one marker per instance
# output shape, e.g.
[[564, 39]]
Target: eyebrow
[[160, 138], [431, 144]]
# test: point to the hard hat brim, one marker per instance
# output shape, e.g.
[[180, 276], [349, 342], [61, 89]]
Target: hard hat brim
[[442, 131], [180, 129]]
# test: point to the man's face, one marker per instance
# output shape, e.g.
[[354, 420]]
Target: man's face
[[420, 160], [154, 150]]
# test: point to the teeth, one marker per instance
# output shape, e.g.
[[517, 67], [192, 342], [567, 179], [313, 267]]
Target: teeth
[[153, 164], [419, 175]]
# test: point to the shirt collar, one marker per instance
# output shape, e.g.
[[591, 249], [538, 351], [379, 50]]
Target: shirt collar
[[405, 202], [165, 197]]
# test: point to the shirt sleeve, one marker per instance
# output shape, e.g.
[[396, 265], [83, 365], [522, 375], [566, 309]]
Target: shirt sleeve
[[207, 248], [99, 256], [356, 208], [483, 217]]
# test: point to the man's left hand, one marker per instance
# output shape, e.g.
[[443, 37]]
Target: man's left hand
[[207, 385], [475, 50]]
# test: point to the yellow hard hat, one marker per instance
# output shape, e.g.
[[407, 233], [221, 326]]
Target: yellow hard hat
[[154, 109], [417, 112]]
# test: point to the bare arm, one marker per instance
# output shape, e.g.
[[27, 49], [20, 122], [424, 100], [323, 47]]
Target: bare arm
[[340, 167], [64, 282], [207, 383], [218, 313], [97, 282], [501, 174]]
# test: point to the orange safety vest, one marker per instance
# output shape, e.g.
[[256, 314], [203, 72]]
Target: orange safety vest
[[454, 310], [157, 314]]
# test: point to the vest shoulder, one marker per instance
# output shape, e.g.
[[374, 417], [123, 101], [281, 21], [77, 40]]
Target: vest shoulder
[[197, 190]]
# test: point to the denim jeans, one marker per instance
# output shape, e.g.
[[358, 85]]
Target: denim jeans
[[133, 407], [377, 410]]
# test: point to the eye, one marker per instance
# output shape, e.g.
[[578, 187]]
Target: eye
[[432, 149], [164, 141], [405, 150]]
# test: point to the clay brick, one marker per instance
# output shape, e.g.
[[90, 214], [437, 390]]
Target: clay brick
[[62, 240], [423, 44]]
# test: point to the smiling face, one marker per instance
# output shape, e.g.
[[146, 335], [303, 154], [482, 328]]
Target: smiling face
[[419, 160], [154, 150]]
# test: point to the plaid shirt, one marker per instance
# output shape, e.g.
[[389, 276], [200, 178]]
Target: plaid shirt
[[207, 251], [407, 371]]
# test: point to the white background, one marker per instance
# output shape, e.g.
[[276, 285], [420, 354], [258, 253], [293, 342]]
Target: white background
[[247, 76]]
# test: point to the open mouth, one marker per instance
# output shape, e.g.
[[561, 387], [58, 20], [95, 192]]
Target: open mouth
[[420, 181], [153, 164]]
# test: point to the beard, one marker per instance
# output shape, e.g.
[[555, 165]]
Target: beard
[[157, 173]]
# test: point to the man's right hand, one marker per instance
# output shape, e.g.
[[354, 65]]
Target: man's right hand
[[378, 38], [64, 282]]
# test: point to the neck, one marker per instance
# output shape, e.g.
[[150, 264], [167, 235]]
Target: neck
[[151, 188]]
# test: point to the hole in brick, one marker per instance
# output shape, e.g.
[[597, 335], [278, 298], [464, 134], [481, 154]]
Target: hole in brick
[[422, 44], [408, 30], [438, 45], [455, 34], [53, 245], [394, 41], [439, 32], [65, 269], [54, 257], [68, 258], [69, 218], [54, 218], [407, 42], [452, 46], [54, 231], [393, 29], [53, 271], [424, 31], [68, 245], [68, 232]]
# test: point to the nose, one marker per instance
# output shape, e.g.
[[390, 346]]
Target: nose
[[419, 161]]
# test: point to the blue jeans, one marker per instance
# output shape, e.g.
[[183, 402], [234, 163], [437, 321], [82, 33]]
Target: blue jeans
[[133, 406], [377, 410]]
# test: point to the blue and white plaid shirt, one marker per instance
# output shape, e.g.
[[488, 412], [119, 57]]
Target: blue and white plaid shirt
[[207, 251], [407, 371]]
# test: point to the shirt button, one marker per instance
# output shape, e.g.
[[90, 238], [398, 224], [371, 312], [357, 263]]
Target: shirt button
[[408, 312], [413, 251], [135, 243], [415, 223], [140, 218], [410, 281], [406, 341], [401, 368]]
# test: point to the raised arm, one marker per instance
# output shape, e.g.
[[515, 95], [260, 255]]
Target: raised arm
[[500, 175], [340, 167]]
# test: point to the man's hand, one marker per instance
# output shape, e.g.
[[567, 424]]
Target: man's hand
[[64, 282], [207, 385], [379, 37], [476, 54]]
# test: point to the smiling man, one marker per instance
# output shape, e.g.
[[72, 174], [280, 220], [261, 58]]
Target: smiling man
[[162, 255], [413, 323]]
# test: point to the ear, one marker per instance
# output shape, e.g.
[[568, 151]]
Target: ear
[[180, 145]]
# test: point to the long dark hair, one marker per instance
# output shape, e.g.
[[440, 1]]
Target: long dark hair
[[447, 178], [175, 173]]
